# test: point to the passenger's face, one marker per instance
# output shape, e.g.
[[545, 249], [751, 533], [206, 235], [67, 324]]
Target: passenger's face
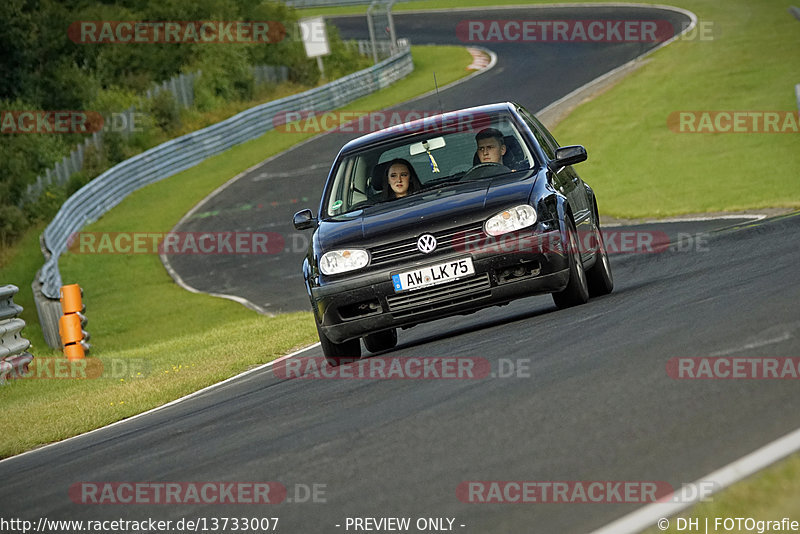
[[399, 179], [490, 151]]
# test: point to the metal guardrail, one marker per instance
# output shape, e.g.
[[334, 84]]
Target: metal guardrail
[[325, 3], [110, 188], [797, 94], [13, 347], [182, 89]]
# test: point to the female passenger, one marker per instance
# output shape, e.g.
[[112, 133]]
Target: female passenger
[[400, 180]]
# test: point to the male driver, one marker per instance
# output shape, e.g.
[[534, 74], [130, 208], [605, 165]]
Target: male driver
[[491, 146]]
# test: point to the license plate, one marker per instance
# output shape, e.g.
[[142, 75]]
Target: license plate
[[433, 274]]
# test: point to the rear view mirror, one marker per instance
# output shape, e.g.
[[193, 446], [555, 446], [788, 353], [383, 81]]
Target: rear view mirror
[[567, 155], [303, 220], [427, 146]]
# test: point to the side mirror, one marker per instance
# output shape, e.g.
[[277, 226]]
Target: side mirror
[[567, 155], [303, 220]]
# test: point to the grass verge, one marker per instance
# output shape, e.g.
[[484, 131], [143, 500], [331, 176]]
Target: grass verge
[[141, 321], [770, 495], [638, 165]]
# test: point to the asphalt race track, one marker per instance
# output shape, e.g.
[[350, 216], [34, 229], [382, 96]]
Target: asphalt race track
[[590, 398], [595, 404]]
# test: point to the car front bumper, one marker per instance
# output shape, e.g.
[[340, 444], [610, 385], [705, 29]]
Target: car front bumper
[[354, 306]]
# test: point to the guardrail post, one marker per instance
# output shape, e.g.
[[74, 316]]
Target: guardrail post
[[797, 94], [14, 358]]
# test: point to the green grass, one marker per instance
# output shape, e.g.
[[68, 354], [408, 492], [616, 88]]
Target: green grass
[[641, 168], [184, 341], [767, 496]]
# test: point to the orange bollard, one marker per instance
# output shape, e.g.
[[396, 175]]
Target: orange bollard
[[74, 351], [70, 325], [71, 299]]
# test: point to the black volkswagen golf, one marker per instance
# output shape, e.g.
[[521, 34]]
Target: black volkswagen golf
[[444, 216]]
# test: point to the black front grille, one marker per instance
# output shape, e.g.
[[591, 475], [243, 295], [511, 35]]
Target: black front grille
[[446, 241], [440, 296]]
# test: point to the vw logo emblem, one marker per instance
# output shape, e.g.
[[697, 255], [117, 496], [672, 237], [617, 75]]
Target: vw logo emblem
[[426, 243]]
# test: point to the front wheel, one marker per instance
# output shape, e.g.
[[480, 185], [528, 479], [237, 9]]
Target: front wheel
[[339, 353], [577, 290], [599, 275]]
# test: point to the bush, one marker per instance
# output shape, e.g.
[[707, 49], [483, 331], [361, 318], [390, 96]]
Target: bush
[[94, 162], [226, 76], [75, 182], [165, 112], [343, 59], [47, 205], [110, 80], [13, 224], [114, 148]]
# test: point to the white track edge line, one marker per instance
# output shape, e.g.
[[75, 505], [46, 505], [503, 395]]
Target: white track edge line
[[511, 7], [167, 405], [734, 472], [675, 220]]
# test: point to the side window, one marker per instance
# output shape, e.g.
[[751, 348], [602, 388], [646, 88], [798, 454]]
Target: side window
[[340, 185], [547, 142], [358, 183]]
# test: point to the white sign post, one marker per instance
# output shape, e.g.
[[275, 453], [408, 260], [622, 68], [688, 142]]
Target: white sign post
[[315, 39]]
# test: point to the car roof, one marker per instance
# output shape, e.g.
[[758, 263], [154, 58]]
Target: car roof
[[409, 128]]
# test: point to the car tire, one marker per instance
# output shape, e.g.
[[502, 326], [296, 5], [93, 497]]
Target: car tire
[[599, 277], [577, 290], [339, 353], [379, 341]]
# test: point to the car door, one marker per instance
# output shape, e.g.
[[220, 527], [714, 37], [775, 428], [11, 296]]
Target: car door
[[567, 181]]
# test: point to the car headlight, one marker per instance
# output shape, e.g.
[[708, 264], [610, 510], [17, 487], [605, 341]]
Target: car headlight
[[510, 220], [341, 261]]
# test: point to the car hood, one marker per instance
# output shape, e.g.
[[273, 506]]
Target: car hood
[[432, 211]]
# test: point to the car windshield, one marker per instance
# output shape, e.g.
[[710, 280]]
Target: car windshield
[[439, 156]]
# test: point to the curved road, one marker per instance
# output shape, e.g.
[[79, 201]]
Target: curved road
[[592, 401]]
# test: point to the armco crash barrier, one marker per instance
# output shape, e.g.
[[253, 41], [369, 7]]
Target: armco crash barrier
[[70, 326], [107, 190], [13, 356]]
